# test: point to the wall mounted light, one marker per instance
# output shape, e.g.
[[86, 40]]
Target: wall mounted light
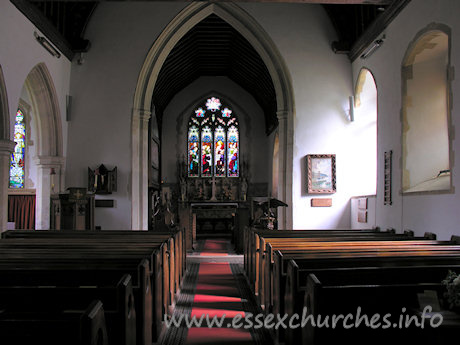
[[47, 45], [372, 48], [351, 102]]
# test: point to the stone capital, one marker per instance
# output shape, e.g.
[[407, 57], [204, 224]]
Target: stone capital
[[6, 147], [282, 115], [49, 161], [142, 114]]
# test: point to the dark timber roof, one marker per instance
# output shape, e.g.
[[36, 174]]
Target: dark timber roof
[[213, 47]]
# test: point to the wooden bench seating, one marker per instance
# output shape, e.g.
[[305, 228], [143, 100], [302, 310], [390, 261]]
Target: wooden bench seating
[[276, 268], [173, 252], [178, 237], [267, 263], [156, 252], [147, 257], [70, 327], [118, 304], [89, 272], [299, 269], [256, 245], [267, 279], [378, 290], [251, 240]]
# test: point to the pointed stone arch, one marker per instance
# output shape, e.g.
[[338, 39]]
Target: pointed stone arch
[[4, 118], [40, 87], [6, 147], [142, 105]]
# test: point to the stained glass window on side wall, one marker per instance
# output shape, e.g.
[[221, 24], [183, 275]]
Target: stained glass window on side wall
[[193, 152], [232, 154], [206, 152], [219, 152], [17, 170]]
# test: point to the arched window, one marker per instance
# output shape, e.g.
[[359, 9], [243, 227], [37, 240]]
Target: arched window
[[17, 171], [213, 141], [365, 130], [426, 113]]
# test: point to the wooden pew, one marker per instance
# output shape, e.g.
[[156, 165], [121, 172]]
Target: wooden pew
[[155, 253], [258, 246], [86, 327], [179, 249], [375, 290], [275, 279], [313, 263], [276, 265], [118, 303], [171, 271], [267, 280], [102, 270], [251, 242], [113, 242]]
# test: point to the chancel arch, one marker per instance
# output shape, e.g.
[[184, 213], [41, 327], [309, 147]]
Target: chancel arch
[[142, 107], [426, 113]]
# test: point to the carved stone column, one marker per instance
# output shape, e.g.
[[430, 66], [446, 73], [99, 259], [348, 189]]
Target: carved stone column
[[139, 169], [285, 132], [47, 183], [6, 147]]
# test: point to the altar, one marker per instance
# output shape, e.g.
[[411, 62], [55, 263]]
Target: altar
[[214, 218], [213, 206]]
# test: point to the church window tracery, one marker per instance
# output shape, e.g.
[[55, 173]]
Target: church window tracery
[[213, 141]]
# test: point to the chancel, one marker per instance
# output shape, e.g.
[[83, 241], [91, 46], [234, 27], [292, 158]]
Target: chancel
[[202, 158]]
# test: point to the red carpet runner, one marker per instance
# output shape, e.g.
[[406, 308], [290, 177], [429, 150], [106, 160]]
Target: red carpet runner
[[216, 294]]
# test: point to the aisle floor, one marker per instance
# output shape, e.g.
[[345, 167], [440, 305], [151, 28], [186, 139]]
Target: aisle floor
[[215, 289]]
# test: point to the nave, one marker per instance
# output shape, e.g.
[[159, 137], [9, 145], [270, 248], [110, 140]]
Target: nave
[[115, 287]]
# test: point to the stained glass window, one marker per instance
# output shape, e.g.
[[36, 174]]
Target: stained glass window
[[214, 135], [206, 151], [17, 157], [193, 152], [219, 152], [233, 141]]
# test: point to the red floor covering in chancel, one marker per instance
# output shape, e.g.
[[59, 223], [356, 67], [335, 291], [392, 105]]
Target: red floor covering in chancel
[[215, 248], [217, 295]]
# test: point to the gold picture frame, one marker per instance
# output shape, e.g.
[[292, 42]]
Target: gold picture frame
[[321, 174]]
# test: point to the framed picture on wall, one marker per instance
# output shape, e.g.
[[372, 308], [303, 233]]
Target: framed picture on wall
[[321, 174]]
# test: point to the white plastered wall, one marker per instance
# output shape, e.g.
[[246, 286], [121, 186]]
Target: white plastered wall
[[436, 213], [20, 54]]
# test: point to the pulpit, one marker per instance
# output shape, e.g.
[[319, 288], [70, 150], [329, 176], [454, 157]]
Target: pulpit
[[73, 210]]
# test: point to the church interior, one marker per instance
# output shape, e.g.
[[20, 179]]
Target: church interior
[[229, 159]]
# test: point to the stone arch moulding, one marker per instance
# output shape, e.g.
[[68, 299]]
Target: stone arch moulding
[[4, 118], [41, 88], [141, 112], [6, 147]]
